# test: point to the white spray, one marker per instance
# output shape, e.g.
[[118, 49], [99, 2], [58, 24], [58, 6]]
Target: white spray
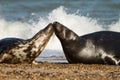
[[79, 24]]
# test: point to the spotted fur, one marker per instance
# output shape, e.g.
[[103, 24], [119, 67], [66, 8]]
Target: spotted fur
[[14, 50]]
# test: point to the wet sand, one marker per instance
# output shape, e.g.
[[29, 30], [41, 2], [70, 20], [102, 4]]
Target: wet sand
[[59, 71]]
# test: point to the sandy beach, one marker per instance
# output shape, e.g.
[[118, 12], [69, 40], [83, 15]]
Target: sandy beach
[[59, 71]]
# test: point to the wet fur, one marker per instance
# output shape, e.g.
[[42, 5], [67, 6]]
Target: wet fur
[[96, 48]]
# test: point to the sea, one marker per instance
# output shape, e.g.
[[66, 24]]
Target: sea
[[24, 18]]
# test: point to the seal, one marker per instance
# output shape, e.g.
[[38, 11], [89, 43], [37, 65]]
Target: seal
[[15, 50], [102, 47]]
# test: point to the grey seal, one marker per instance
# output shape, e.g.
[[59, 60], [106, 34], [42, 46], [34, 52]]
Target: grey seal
[[16, 50], [102, 47]]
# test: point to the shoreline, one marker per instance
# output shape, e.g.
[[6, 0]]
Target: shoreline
[[59, 71]]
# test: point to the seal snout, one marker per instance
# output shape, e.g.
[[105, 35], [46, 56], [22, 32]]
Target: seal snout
[[55, 23], [57, 27], [49, 28]]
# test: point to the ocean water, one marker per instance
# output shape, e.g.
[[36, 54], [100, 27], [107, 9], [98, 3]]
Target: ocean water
[[24, 18]]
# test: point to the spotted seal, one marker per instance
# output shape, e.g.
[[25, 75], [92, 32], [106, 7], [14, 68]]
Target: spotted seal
[[15, 50], [102, 47]]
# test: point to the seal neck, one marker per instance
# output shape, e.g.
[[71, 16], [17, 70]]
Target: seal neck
[[39, 40]]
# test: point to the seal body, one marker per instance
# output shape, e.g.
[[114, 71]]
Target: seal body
[[101, 47], [15, 50]]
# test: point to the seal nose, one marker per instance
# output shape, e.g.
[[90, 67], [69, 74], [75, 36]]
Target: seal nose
[[55, 23], [57, 26]]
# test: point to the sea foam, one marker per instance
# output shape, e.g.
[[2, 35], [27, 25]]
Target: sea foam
[[76, 22]]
